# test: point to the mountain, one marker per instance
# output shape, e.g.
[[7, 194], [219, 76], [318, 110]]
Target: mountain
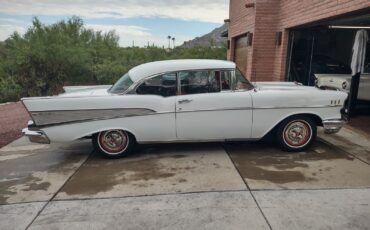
[[212, 39]]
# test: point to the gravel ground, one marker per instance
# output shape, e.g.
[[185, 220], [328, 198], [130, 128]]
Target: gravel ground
[[13, 118]]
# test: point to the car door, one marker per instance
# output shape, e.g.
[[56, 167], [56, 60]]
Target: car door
[[208, 109], [158, 93]]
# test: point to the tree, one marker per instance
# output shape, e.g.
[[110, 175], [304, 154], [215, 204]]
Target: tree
[[169, 41], [173, 41], [47, 57]]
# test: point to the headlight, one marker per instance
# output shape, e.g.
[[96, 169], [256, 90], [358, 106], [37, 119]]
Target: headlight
[[344, 85]]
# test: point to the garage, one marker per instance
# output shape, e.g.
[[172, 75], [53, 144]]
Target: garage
[[321, 54], [241, 52]]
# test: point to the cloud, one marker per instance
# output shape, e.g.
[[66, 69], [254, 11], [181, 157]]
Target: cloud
[[197, 10], [8, 29], [127, 33], [139, 35]]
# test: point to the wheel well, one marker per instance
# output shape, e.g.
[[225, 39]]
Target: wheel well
[[270, 134], [314, 117], [95, 134]]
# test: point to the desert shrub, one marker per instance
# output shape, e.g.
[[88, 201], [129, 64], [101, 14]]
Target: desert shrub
[[47, 57], [9, 90]]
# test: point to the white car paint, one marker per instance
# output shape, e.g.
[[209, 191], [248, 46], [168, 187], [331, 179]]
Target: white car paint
[[215, 116], [233, 114], [343, 82]]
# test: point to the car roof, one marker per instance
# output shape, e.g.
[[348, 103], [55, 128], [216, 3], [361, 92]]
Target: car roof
[[152, 68]]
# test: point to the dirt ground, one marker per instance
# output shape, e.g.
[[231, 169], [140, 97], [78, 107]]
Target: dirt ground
[[13, 118]]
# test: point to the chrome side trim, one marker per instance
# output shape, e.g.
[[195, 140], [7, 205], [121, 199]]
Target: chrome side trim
[[297, 107], [198, 141], [211, 110], [42, 118], [86, 119], [332, 126], [62, 117]]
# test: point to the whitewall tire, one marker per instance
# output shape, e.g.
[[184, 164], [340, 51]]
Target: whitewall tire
[[114, 143], [296, 133]]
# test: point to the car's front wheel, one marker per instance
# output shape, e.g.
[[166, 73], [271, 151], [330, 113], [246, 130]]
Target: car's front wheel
[[295, 134], [114, 143]]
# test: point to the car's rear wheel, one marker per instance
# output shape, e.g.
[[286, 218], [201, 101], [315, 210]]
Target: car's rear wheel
[[114, 143], [295, 134]]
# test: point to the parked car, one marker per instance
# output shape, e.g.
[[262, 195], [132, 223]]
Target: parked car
[[320, 64], [184, 101], [343, 82]]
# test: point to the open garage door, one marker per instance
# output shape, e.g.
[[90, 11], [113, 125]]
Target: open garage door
[[241, 53], [321, 54]]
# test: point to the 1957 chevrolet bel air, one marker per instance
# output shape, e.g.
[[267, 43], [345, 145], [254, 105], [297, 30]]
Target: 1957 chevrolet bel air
[[184, 100]]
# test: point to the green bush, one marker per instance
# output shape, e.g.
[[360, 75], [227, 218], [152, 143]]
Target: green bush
[[9, 90], [48, 56]]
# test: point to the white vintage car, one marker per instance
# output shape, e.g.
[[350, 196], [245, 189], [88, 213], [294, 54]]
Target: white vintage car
[[343, 82], [184, 101]]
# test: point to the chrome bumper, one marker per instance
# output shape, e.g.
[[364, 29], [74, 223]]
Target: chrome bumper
[[35, 135], [332, 126]]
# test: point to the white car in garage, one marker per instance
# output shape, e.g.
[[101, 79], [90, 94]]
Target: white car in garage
[[343, 82], [184, 101]]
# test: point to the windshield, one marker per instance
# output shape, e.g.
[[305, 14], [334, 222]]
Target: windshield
[[241, 83], [122, 84]]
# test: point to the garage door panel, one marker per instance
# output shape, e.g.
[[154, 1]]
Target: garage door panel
[[241, 53]]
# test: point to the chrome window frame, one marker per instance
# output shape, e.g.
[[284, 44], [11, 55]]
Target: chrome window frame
[[132, 89], [136, 85], [125, 91], [234, 82]]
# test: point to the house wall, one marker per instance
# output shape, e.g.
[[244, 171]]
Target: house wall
[[266, 61]]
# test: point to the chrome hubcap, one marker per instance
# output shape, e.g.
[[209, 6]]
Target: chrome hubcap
[[297, 133], [113, 141]]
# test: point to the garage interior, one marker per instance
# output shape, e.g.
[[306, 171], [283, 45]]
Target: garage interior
[[326, 48]]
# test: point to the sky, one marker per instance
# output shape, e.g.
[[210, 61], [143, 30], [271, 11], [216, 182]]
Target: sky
[[141, 21]]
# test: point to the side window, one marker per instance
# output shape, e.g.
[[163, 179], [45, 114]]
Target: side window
[[195, 82], [225, 80], [162, 85]]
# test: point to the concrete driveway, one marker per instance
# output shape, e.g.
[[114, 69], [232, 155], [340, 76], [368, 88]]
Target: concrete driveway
[[187, 186]]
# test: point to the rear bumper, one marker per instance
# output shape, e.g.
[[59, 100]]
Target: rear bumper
[[35, 135], [332, 126]]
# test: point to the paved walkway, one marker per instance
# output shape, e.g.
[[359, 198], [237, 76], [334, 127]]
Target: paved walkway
[[192, 186]]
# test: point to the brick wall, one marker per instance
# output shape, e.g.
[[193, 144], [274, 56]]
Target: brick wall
[[264, 39], [244, 22], [267, 61]]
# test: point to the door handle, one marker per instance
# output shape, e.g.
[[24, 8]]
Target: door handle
[[185, 101]]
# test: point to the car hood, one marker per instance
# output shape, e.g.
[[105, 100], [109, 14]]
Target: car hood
[[282, 86]]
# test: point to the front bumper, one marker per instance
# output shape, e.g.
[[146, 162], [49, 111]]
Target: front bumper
[[332, 126], [34, 134]]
